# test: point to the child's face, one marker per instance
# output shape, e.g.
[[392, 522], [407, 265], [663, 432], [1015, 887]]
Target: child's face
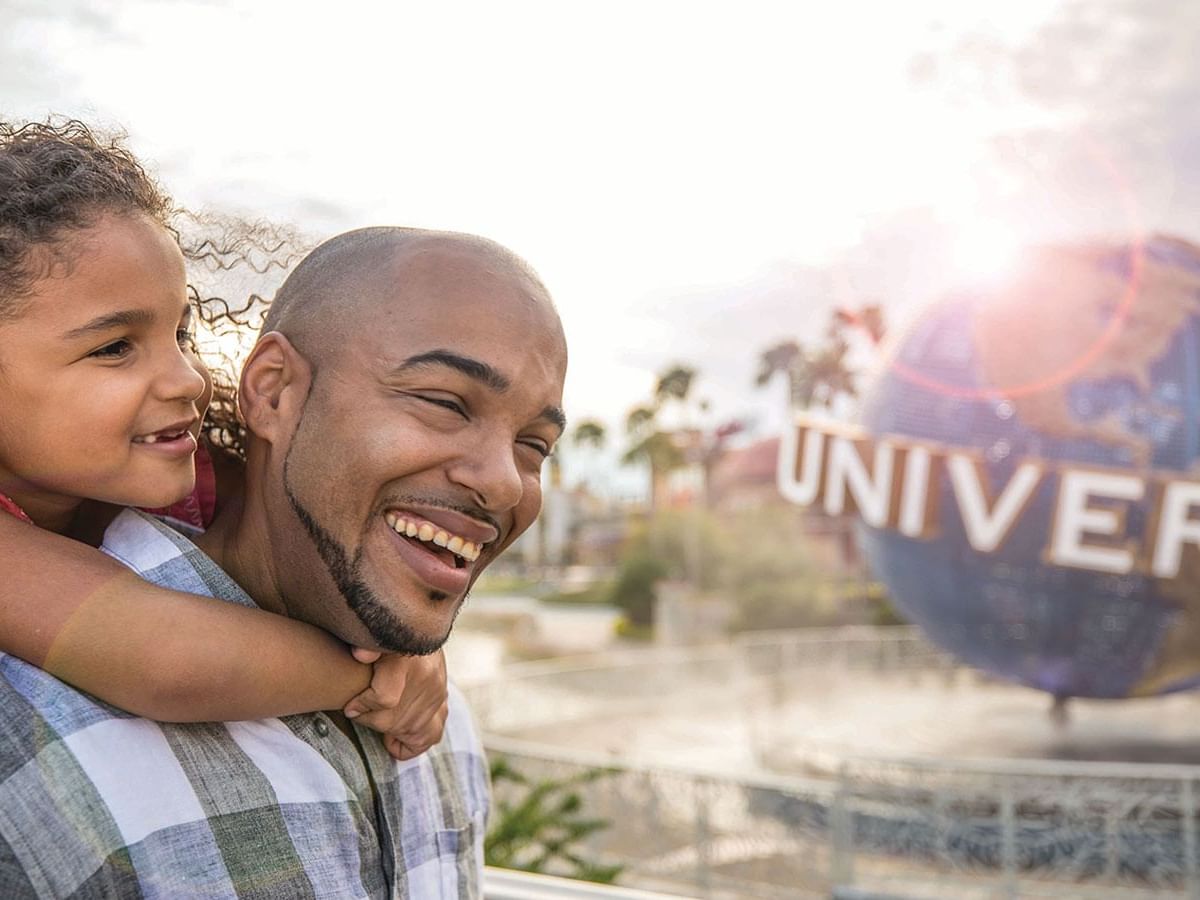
[[101, 394]]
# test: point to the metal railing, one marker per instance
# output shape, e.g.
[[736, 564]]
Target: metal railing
[[504, 884], [910, 827]]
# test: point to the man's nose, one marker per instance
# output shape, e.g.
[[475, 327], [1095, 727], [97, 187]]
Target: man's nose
[[178, 379], [489, 470]]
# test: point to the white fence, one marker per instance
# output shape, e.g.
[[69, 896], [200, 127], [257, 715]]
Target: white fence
[[867, 826]]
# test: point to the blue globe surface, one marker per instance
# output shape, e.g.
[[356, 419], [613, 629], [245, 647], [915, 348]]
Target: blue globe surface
[[1089, 357]]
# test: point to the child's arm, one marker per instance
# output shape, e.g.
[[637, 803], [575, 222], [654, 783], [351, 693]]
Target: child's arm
[[157, 653]]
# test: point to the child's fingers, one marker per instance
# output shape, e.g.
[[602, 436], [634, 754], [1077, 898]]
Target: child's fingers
[[397, 748], [430, 731], [388, 720], [416, 739], [363, 655], [369, 701], [404, 748]]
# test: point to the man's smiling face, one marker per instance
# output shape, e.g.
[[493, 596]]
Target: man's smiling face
[[429, 425]]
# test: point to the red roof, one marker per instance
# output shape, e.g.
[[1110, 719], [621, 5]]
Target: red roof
[[753, 465]]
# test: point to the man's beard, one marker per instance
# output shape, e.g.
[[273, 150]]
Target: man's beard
[[385, 626]]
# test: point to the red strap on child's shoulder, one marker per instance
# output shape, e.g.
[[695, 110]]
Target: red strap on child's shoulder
[[9, 506], [198, 507]]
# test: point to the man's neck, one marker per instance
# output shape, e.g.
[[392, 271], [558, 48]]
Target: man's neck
[[238, 544]]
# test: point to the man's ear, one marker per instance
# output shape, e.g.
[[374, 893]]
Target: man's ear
[[274, 386]]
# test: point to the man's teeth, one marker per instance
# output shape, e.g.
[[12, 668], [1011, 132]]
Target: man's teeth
[[468, 550]]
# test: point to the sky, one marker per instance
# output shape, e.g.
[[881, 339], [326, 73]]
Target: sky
[[694, 181]]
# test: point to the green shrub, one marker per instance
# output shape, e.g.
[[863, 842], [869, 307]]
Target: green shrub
[[765, 561], [633, 592], [539, 830]]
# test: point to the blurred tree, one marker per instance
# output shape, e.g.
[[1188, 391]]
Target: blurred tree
[[664, 449], [674, 384], [651, 445], [589, 437], [818, 376], [639, 418], [589, 433], [637, 580], [657, 450], [867, 318]]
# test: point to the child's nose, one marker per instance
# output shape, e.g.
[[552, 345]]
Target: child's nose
[[180, 380]]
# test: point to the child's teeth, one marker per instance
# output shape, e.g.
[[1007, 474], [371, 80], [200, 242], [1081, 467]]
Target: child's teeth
[[149, 439]]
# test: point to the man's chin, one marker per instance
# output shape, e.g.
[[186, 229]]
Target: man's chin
[[411, 634]]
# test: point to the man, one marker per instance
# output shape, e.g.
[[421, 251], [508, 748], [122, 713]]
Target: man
[[398, 409]]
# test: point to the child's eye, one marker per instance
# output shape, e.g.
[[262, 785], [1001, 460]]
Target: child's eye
[[115, 350], [187, 340]]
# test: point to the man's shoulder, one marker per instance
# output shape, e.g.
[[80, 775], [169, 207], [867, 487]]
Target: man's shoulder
[[142, 542], [97, 783], [162, 555], [37, 709]]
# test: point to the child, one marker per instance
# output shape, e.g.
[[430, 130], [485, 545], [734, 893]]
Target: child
[[101, 401]]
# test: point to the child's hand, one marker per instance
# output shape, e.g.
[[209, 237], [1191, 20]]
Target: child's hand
[[406, 702]]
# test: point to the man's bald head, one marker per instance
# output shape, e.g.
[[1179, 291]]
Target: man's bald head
[[320, 296]]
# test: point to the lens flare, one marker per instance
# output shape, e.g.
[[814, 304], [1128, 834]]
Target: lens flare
[[1000, 259]]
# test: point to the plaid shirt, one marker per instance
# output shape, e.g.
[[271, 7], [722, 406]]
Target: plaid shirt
[[95, 802]]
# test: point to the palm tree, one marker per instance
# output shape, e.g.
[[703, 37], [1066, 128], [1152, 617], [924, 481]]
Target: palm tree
[[829, 375], [786, 358], [589, 433], [589, 437], [674, 384], [813, 377], [639, 419], [651, 446], [818, 377], [868, 318]]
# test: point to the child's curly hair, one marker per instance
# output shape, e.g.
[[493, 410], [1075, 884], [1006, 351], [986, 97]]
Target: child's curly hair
[[243, 259], [57, 177]]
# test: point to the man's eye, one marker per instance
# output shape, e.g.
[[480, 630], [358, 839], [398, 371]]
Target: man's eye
[[115, 350], [187, 340], [543, 450], [446, 404]]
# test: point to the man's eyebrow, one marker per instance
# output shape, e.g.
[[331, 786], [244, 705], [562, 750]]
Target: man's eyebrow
[[479, 371], [557, 416], [472, 368], [124, 318]]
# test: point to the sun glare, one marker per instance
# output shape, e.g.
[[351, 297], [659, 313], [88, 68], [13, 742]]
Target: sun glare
[[985, 252]]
